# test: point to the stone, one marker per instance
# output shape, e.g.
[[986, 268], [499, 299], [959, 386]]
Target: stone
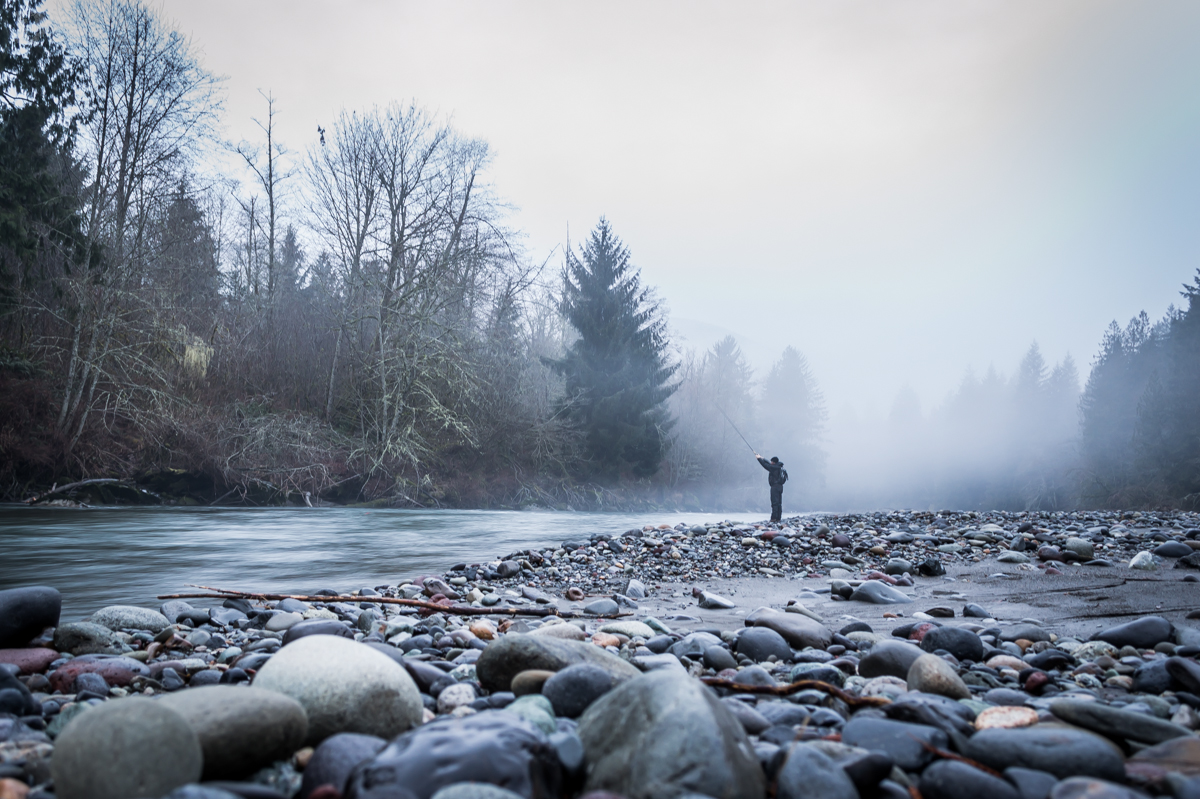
[[635, 589], [84, 638], [798, 630], [752, 721], [117, 671], [572, 690], [200, 792], [712, 601], [1006, 717], [1030, 783], [130, 617], [567, 632], [512, 654], [1081, 547], [949, 779], [535, 709], [1013, 557], [719, 658], [1116, 723], [494, 747], [1086, 788], [1143, 561], [1143, 633], [693, 645], [123, 749], [333, 761], [1186, 672], [963, 644], [879, 593], [630, 629], [25, 612], [889, 659], [971, 610], [1153, 677], [329, 627], [508, 568], [240, 730], [29, 661], [1061, 751], [475, 790], [455, 696], [343, 686], [530, 681], [1178, 754], [932, 675], [283, 621], [16, 698], [602, 607], [809, 772], [897, 566], [759, 643], [665, 734], [1173, 549], [905, 743]]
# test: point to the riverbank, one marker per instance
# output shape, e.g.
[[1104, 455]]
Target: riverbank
[[834, 672]]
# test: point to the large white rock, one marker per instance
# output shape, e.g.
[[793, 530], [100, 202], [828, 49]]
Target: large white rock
[[344, 686], [130, 617]]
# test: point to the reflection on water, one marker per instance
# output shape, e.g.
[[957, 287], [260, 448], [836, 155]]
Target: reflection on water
[[106, 556]]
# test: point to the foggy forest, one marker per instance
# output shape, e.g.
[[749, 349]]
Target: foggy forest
[[356, 319]]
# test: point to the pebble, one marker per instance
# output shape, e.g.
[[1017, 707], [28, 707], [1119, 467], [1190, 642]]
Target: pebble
[[761, 643], [932, 675], [1143, 633], [512, 654], [573, 690], [878, 593], [962, 644]]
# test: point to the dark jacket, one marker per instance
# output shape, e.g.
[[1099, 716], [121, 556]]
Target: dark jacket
[[776, 476]]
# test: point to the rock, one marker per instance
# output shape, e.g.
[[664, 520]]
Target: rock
[[512, 654], [1185, 671], [602, 607], [129, 748], [455, 696], [29, 661], [694, 645], [971, 610], [809, 772], [1030, 783], [535, 709], [897, 566], [1029, 632], [16, 698], [949, 779], [283, 621], [508, 568], [200, 792], [963, 644], [903, 742], [568, 632], [1191, 561], [25, 612], [752, 721], [798, 630], [1013, 557], [308, 627], [1006, 717], [116, 671], [630, 629], [665, 734], [1143, 561], [172, 609], [1153, 677], [759, 643], [475, 790], [530, 681], [495, 747], [84, 638], [572, 690], [713, 601], [932, 675], [1173, 549], [1143, 633], [719, 658], [1081, 547], [343, 687], [635, 589], [1085, 788], [130, 617], [1116, 723], [333, 761], [1061, 751], [879, 593], [889, 659], [240, 730], [1178, 754]]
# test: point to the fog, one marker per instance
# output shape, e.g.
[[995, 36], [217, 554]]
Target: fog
[[909, 195]]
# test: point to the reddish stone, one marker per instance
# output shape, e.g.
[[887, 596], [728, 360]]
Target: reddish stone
[[881, 577], [918, 633], [115, 671], [1036, 681], [29, 661]]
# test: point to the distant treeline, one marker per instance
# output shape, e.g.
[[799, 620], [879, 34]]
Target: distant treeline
[[358, 322]]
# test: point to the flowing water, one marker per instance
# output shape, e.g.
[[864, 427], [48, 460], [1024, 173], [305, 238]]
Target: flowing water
[[108, 556]]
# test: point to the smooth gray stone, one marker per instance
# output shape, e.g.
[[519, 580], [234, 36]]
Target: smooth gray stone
[[25, 612], [308, 627], [85, 638], [1061, 751], [963, 644], [902, 741], [949, 779], [1143, 633], [809, 772], [573, 690], [134, 747], [879, 593], [1030, 783], [752, 721], [602, 607], [1086, 788], [719, 658], [1030, 632], [797, 629], [759, 643], [130, 617], [1172, 549], [343, 686], [333, 761], [694, 645], [1116, 723], [494, 746], [664, 734], [200, 792], [475, 790], [711, 601], [889, 659], [513, 654], [241, 730]]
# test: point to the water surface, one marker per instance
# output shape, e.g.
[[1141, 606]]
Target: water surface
[[107, 556]]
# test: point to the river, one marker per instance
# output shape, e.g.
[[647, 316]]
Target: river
[[109, 556]]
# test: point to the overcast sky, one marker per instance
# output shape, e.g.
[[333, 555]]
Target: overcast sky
[[899, 189]]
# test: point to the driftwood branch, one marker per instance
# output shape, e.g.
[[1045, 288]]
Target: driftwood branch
[[796, 687], [70, 487], [433, 607]]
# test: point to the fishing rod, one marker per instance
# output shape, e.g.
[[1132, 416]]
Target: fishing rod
[[734, 426]]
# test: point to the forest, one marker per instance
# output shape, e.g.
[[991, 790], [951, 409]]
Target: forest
[[357, 322]]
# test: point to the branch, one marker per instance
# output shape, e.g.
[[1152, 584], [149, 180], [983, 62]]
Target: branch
[[796, 687]]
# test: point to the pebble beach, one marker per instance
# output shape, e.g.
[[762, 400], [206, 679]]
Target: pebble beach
[[905, 654]]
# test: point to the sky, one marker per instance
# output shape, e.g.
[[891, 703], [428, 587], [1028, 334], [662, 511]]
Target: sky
[[899, 190]]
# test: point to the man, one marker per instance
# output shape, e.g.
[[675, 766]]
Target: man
[[776, 477]]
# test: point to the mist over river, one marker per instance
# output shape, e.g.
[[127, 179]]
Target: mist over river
[[106, 556]]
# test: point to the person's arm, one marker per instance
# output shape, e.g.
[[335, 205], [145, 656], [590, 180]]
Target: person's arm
[[763, 462]]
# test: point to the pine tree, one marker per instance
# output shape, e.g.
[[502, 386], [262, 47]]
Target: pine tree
[[617, 375]]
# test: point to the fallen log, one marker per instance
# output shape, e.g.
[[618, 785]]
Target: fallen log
[[432, 607]]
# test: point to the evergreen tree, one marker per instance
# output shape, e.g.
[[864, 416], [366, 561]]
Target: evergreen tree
[[794, 409], [616, 373]]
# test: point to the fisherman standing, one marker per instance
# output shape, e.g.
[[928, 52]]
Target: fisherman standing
[[776, 477]]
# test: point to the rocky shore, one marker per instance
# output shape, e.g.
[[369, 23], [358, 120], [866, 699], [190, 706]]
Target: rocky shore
[[939, 655]]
